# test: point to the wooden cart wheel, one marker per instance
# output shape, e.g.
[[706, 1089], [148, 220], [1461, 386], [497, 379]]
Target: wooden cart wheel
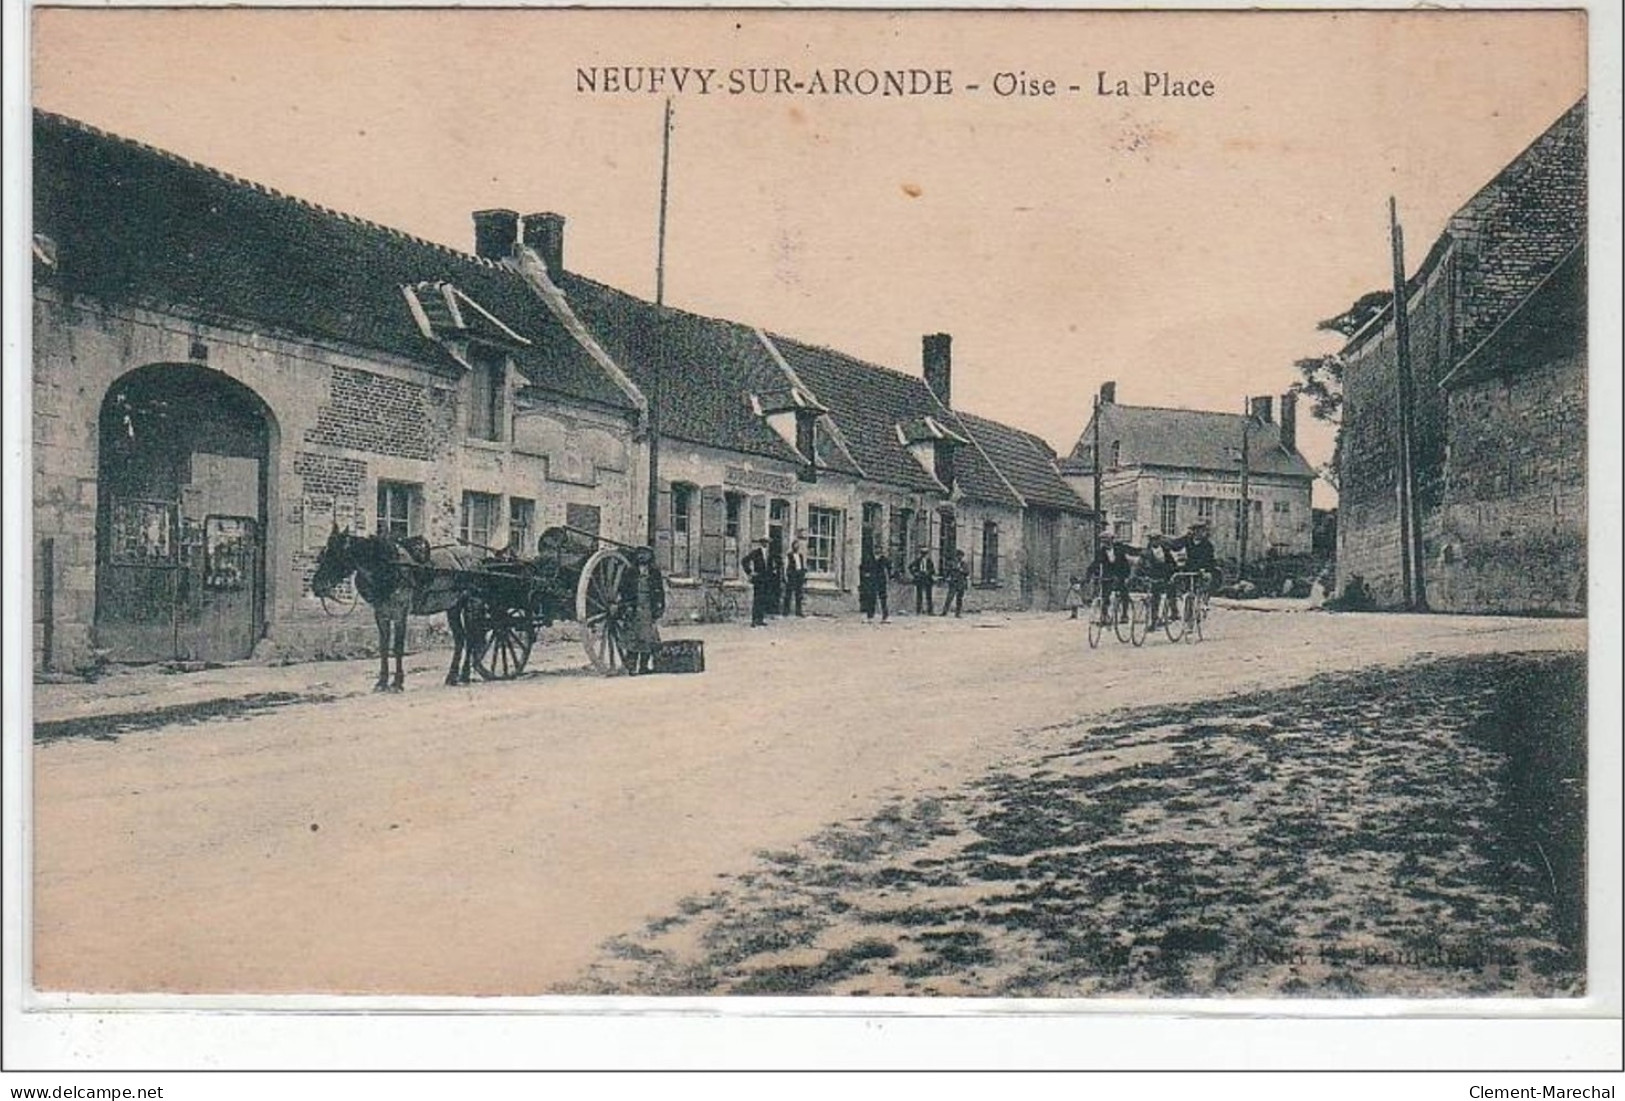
[[505, 647], [601, 612]]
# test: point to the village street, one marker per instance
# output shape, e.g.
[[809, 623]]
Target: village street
[[286, 830]]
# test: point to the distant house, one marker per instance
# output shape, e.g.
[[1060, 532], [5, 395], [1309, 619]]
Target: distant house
[[222, 374], [1162, 470], [1497, 313]]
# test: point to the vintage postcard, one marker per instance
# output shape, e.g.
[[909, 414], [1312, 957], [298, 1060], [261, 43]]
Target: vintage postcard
[[778, 508]]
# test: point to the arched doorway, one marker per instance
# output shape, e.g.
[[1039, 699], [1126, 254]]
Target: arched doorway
[[181, 514]]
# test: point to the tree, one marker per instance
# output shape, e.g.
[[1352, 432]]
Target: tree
[[1322, 375]]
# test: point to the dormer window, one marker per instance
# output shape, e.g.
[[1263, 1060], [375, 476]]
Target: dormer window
[[1117, 454]]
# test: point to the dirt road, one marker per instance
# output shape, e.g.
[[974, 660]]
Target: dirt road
[[491, 839]]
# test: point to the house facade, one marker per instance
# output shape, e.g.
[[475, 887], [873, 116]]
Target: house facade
[[1161, 470], [222, 374], [1497, 348]]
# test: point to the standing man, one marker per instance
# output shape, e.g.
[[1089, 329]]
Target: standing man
[[756, 568], [795, 577], [956, 573], [925, 576], [874, 577]]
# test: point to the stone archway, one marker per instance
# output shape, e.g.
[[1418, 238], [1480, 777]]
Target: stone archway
[[182, 474]]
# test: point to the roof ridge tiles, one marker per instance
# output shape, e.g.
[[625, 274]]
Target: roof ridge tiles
[[262, 188]]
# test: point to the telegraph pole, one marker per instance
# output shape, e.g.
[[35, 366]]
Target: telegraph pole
[[656, 366], [1246, 511], [1100, 510], [1410, 514]]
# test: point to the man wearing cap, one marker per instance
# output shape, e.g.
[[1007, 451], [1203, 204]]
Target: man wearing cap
[[1157, 565], [1113, 563], [756, 568], [1200, 557]]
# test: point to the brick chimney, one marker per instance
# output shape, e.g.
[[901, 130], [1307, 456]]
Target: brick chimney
[[1264, 410], [1289, 420], [495, 233], [937, 349], [1108, 393], [544, 234]]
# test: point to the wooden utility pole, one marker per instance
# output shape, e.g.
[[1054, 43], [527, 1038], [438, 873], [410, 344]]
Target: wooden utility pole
[[1246, 511], [656, 367], [1100, 508], [1410, 514]]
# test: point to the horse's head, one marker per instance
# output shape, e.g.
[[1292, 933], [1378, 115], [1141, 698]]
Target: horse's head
[[336, 562]]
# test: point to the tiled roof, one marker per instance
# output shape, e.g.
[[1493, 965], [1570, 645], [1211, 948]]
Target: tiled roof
[[1190, 439], [708, 370], [1551, 322], [1511, 234], [1026, 461], [880, 411], [127, 222]]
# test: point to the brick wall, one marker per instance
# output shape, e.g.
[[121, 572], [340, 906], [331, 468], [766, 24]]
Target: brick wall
[[365, 411]]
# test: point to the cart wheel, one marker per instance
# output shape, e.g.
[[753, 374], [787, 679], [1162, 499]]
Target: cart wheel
[[505, 646], [601, 612]]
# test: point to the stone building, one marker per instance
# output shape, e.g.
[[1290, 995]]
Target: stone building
[[1497, 316], [1161, 470], [222, 373]]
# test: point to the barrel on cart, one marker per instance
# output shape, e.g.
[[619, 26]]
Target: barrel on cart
[[575, 575]]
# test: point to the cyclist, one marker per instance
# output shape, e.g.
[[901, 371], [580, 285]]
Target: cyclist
[[1112, 564], [1157, 565], [1200, 557]]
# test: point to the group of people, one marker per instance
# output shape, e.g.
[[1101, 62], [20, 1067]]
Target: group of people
[[778, 585], [874, 579], [1156, 562]]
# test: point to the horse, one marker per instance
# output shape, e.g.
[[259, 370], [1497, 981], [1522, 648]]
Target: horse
[[396, 584]]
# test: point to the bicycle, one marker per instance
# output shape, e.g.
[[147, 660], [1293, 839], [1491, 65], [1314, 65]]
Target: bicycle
[[1108, 609], [1188, 608], [719, 603], [1140, 610]]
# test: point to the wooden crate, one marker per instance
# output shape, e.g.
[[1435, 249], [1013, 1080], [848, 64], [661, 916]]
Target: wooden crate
[[680, 655]]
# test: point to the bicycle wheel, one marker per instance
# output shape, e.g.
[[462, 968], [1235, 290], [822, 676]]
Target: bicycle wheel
[[1121, 611], [1198, 612], [1173, 623], [1098, 610], [1139, 618]]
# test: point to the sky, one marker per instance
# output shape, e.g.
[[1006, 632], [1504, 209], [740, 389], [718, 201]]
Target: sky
[[1182, 246]]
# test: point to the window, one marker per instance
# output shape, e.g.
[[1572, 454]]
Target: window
[[582, 517], [479, 523], [990, 551], [1117, 454], [1124, 530], [1282, 508], [902, 519], [873, 536], [487, 393], [397, 509], [823, 539], [733, 526], [946, 539], [1204, 510], [1170, 515], [521, 526], [683, 497]]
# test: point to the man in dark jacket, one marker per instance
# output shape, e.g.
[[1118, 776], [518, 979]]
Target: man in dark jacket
[[1113, 563], [874, 575], [1157, 565], [757, 570], [925, 577], [956, 576], [1200, 557]]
